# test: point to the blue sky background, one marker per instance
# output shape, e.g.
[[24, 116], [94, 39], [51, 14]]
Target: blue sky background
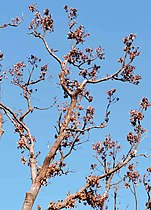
[[108, 22]]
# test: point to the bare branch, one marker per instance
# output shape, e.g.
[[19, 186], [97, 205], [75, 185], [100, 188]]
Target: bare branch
[[86, 129], [45, 108], [1, 123], [50, 51], [115, 200], [15, 22], [135, 195]]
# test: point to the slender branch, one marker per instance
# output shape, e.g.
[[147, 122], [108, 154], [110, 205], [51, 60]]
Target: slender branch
[[135, 196], [95, 156], [29, 78], [14, 116], [62, 64], [84, 62], [1, 123], [46, 108], [30, 147], [147, 189], [105, 78], [85, 129], [47, 47], [115, 200], [72, 146], [112, 76], [13, 24], [30, 109], [143, 155]]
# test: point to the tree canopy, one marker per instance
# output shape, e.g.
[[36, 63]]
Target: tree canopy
[[80, 145]]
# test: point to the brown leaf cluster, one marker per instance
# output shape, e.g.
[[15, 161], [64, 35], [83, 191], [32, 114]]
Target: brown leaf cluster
[[44, 22]]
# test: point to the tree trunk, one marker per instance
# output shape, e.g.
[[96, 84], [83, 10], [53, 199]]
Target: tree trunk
[[31, 196]]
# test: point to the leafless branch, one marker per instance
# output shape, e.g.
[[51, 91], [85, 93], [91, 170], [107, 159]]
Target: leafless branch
[[15, 22], [115, 200], [86, 129], [45, 108], [135, 195], [47, 47], [1, 123]]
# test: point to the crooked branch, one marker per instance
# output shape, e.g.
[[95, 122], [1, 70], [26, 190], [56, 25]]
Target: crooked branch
[[50, 51], [15, 22]]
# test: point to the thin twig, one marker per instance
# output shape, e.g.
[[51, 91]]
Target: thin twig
[[13, 24]]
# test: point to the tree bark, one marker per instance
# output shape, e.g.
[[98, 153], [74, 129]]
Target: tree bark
[[31, 196]]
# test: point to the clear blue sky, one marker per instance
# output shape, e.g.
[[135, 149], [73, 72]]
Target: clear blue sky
[[108, 22]]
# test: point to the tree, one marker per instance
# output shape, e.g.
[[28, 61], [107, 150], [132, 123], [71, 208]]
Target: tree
[[112, 167]]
